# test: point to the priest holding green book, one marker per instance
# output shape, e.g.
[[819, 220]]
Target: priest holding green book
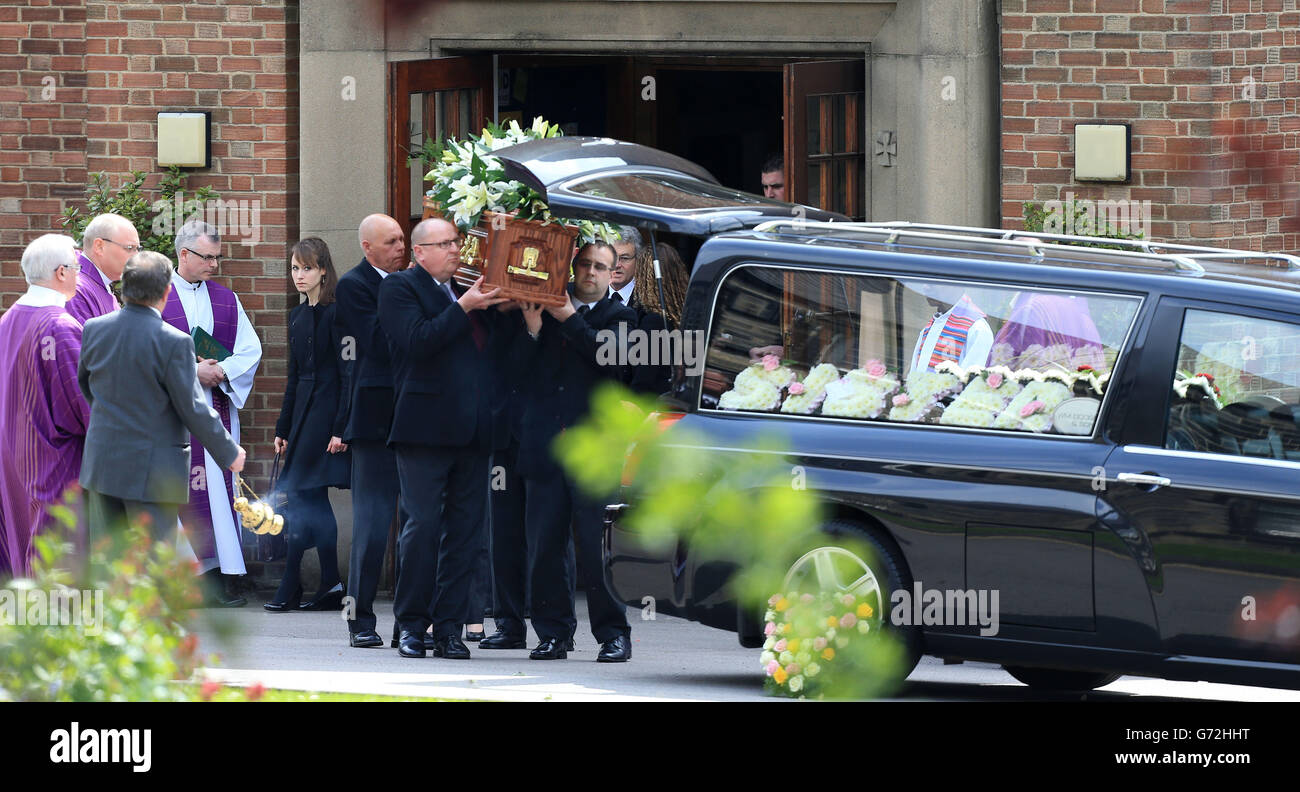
[[228, 354]]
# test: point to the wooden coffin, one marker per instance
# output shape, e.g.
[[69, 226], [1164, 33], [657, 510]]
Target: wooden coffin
[[529, 260]]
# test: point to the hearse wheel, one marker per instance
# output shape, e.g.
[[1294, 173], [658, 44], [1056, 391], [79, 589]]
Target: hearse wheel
[[850, 558], [1058, 679]]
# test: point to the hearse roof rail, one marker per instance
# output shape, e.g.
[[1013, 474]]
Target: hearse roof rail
[[1066, 248]]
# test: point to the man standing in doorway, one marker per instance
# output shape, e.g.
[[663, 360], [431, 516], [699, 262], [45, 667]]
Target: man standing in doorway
[[773, 177]]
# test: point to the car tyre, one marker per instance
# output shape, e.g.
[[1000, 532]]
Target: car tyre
[[846, 545], [1060, 679]]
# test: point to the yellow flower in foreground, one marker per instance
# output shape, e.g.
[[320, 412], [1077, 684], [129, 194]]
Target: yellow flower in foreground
[[864, 611], [785, 628], [781, 605], [780, 676], [828, 653], [793, 646], [831, 621]]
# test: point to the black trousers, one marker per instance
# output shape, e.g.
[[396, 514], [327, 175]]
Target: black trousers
[[375, 499], [513, 545], [553, 504], [311, 523], [443, 492]]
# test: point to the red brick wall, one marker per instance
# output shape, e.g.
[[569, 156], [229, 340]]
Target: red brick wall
[[1219, 167], [42, 126], [118, 65]]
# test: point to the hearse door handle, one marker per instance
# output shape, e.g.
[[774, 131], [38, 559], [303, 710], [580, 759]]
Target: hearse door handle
[[1144, 480]]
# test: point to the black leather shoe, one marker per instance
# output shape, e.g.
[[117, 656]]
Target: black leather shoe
[[618, 650], [503, 640], [569, 645], [450, 647], [330, 600], [410, 645], [475, 636], [549, 649], [366, 639], [284, 605]]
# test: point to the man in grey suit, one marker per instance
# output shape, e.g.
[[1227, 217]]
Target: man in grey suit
[[139, 376]]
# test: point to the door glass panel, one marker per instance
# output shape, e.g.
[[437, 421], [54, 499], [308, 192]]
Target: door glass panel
[[920, 351], [1237, 387], [440, 115], [415, 139]]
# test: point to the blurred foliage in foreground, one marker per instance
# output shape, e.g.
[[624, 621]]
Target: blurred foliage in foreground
[[749, 507], [131, 650]]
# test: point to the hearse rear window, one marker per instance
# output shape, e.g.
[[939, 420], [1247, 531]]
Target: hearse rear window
[[913, 350]]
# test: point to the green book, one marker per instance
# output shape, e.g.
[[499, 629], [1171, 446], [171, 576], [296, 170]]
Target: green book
[[207, 347]]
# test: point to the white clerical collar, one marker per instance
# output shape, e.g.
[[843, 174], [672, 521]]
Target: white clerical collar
[[41, 297], [185, 285], [625, 292], [382, 274]]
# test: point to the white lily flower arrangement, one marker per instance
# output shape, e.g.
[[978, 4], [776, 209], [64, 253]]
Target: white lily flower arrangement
[[467, 179]]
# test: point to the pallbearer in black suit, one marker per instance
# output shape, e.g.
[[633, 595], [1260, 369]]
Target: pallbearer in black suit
[[309, 432], [442, 434], [560, 367], [374, 467]]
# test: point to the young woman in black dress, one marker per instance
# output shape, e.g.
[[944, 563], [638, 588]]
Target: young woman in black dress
[[308, 432]]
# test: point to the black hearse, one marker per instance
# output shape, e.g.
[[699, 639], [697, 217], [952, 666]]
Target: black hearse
[[1107, 437]]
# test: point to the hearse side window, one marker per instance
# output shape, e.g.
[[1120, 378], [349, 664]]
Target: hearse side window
[[914, 350], [1237, 387]]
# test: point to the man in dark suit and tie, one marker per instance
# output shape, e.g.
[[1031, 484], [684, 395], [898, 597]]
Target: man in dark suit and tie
[[559, 362], [375, 491], [442, 434], [140, 378]]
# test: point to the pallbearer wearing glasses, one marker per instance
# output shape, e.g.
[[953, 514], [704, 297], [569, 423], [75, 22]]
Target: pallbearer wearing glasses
[[108, 241], [196, 301], [558, 362], [442, 434]]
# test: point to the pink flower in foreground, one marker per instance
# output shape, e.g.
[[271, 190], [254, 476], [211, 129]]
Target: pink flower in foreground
[[780, 646], [772, 600], [793, 669], [771, 667], [848, 620], [902, 399], [796, 388], [770, 628], [819, 643], [770, 362], [1031, 408], [995, 381], [876, 369], [806, 598]]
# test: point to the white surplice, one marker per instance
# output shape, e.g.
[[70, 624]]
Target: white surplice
[[240, 369]]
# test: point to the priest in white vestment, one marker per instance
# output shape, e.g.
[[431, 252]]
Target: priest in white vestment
[[210, 524]]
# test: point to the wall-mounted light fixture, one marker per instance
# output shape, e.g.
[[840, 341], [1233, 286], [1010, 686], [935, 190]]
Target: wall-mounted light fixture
[[183, 140], [1101, 152]]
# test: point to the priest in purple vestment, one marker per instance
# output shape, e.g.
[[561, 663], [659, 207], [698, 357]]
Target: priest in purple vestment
[[43, 416], [108, 241]]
